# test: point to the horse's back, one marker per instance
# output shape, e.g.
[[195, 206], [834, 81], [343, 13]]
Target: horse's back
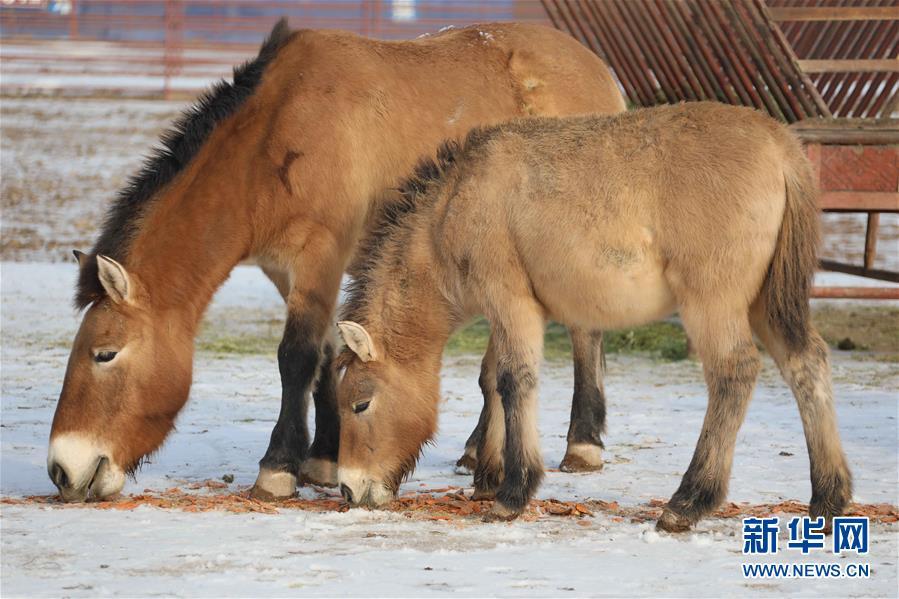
[[617, 219], [351, 116]]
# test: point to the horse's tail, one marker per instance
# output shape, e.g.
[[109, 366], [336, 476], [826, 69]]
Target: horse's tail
[[789, 282]]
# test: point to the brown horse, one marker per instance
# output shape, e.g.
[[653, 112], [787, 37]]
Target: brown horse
[[596, 222], [284, 165]]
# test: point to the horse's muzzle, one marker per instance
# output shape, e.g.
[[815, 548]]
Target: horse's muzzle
[[79, 468]]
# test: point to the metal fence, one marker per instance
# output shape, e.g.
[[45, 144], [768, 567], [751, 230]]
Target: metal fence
[[795, 59]]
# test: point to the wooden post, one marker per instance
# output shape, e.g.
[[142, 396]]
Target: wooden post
[[871, 239], [73, 20], [172, 57]]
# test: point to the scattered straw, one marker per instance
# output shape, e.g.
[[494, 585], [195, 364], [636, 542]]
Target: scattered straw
[[447, 503]]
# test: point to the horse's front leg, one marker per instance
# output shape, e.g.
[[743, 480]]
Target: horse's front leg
[[488, 469], [303, 355], [518, 335], [320, 465], [588, 406]]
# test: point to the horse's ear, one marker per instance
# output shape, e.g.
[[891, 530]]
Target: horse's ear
[[114, 279], [81, 257], [357, 339]]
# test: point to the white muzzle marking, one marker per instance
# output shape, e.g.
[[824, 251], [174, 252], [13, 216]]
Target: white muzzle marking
[[364, 489], [86, 462]]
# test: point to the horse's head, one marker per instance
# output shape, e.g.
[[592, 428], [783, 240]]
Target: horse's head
[[388, 411], [129, 374]]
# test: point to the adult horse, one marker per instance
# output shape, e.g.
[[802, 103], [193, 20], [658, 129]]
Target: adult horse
[[597, 222], [285, 165]]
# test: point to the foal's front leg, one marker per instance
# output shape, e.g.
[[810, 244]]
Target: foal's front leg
[[588, 409], [519, 340], [488, 471]]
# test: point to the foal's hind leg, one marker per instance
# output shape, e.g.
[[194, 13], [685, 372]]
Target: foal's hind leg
[[588, 406], [807, 371], [731, 365]]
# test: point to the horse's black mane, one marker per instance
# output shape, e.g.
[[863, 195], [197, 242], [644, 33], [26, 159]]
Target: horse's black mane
[[178, 146], [392, 218]]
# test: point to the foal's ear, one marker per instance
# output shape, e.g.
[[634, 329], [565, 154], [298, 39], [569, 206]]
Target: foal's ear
[[114, 278], [357, 339], [81, 257]]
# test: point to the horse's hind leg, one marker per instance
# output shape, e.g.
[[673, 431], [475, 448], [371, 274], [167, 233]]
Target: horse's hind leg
[[731, 365], [588, 406], [807, 371]]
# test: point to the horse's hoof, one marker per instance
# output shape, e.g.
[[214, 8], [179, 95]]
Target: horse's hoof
[[500, 513], [466, 465], [575, 463], [319, 471], [671, 522], [582, 457], [483, 494], [272, 485]]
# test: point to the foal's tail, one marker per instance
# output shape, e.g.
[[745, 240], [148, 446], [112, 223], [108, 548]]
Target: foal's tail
[[789, 281]]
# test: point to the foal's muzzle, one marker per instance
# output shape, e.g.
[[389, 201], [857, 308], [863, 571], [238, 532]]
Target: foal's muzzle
[[358, 489]]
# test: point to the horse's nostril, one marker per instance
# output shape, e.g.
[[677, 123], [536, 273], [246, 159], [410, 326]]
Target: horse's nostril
[[59, 477], [347, 494]]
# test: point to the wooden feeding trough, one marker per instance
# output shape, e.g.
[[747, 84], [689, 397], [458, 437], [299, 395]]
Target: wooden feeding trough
[[827, 67]]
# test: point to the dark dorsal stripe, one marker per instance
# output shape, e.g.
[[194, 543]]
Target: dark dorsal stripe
[[178, 146]]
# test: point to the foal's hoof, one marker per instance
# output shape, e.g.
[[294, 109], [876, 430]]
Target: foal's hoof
[[582, 457], [319, 471], [466, 465], [500, 513], [483, 494], [671, 522], [272, 485]]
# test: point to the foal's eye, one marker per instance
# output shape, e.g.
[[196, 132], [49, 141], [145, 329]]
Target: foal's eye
[[361, 406], [104, 356]]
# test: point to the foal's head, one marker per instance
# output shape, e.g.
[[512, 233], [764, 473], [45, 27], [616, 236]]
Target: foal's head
[[128, 375], [388, 411]]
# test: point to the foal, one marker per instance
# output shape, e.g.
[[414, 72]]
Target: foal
[[596, 222]]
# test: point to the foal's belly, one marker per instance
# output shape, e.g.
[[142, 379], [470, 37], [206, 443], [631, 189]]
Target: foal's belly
[[605, 287]]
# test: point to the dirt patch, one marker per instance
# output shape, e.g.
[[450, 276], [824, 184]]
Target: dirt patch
[[853, 327]]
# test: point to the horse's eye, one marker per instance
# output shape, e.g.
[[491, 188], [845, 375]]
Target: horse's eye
[[360, 406], [105, 356]]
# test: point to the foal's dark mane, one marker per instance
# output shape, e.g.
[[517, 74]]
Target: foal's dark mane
[[392, 220], [178, 147]]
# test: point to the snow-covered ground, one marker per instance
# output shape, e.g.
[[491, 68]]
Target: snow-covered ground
[[655, 413]]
